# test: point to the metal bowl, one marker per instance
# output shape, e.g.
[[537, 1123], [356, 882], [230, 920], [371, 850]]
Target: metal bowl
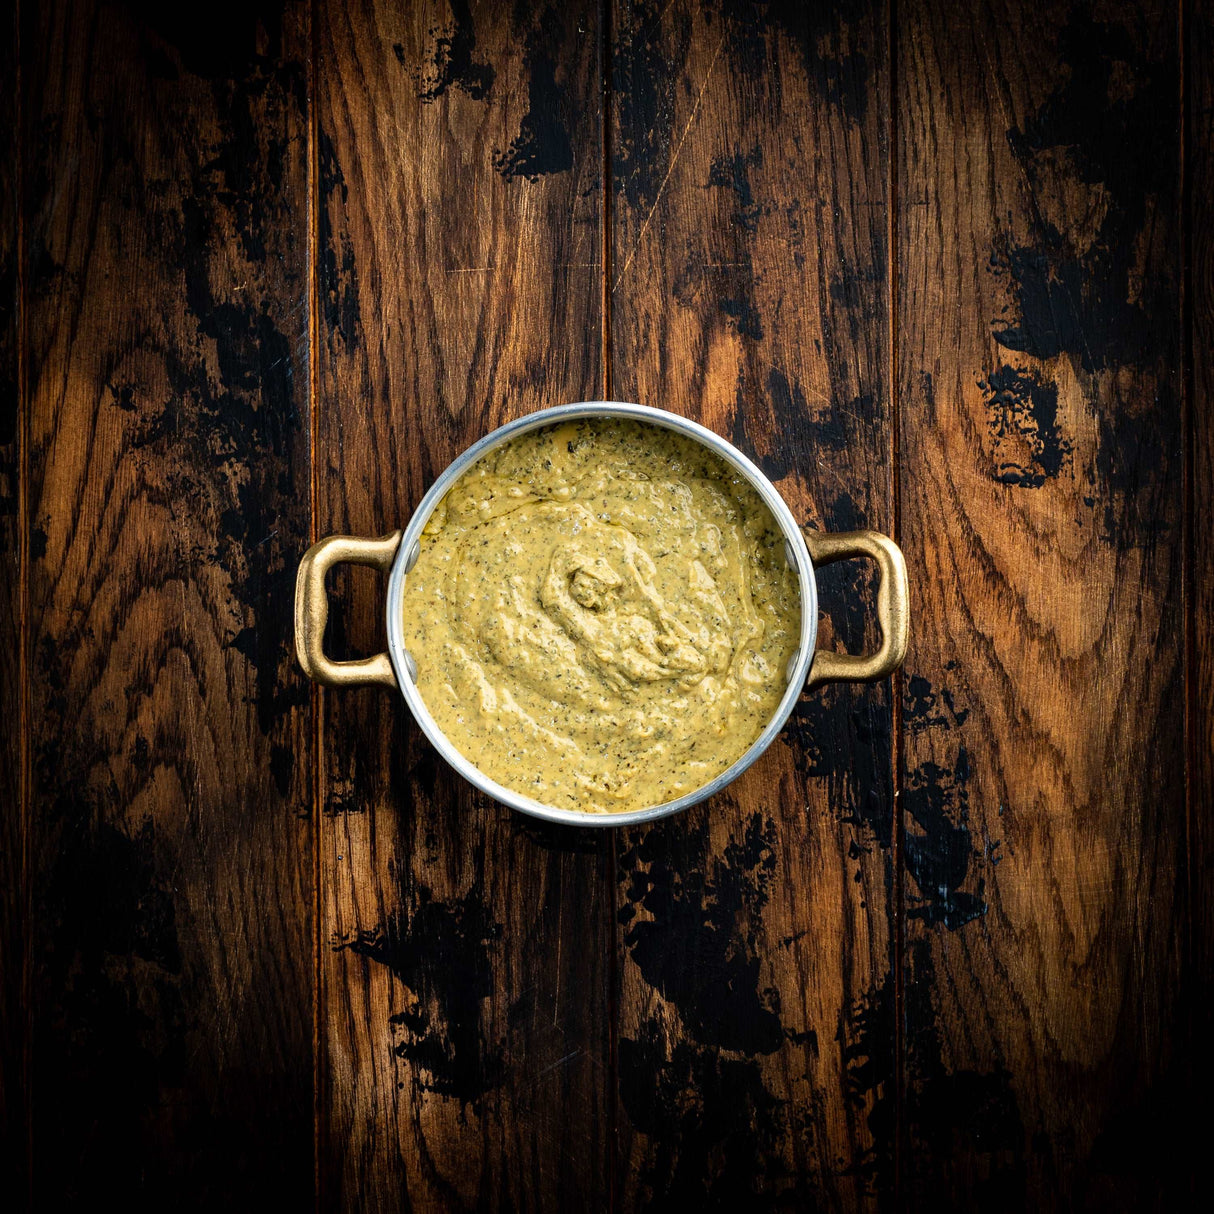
[[397, 553]]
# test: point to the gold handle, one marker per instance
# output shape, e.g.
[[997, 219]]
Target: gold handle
[[312, 609], [893, 606]]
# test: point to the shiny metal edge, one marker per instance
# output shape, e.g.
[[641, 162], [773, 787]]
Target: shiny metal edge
[[546, 417]]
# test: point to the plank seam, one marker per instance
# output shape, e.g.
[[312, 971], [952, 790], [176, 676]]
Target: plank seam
[[315, 704], [23, 682], [607, 355], [1188, 553], [605, 216], [896, 740]]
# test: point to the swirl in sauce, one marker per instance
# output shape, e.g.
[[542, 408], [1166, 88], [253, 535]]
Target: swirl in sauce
[[601, 615]]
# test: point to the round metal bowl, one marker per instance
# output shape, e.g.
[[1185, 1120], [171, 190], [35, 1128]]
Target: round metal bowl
[[397, 553]]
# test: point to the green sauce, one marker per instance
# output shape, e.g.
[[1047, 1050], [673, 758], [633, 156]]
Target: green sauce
[[601, 615]]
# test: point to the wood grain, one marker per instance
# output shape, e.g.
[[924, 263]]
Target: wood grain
[[464, 949], [166, 216], [1038, 380], [939, 267], [748, 289], [1199, 292], [13, 1004]]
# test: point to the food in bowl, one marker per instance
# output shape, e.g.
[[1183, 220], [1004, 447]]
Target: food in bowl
[[805, 549], [601, 615]]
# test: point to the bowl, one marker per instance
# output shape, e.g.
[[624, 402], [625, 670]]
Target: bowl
[[397, 553]]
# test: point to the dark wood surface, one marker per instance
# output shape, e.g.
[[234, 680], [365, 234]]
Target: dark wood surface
[[748, 289], [1198, 336], [14, 1154], [464, 951], [941, 269], [1041, 496], [170, 760]]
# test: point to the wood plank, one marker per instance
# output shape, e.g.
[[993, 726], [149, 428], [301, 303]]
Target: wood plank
[[749, 291], [464, 949], [169, 469], [13, 1006], [1038, 380], [1199, 290]]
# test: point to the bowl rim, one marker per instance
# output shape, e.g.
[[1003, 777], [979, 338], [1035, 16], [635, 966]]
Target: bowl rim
[[795, 549]]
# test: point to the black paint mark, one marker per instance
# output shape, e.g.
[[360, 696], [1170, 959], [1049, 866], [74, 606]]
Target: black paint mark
[[938, 860], [846, 589], [967, 1114], [124, 397], [246, 425], [841, 77], [714, 1128], [844, 82], [220, 447], [787, 434], [818, 35], [790, 414], [867, 1035], [843, 513], [925, 708], [416, 773], [451, 63], [941, 855], [542, 145], [733, 173], [441, 953], [650, 61], [735, 295], [741, 310], [563, 840], [957, 1114], [337, 274], [700, 947], [1131, 476], [1100, 136], [1022, 416], [860, 291], [652, 41], [841, 735], [282, 767], [140, 756]]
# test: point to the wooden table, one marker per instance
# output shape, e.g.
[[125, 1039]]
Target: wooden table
[[943, 268]]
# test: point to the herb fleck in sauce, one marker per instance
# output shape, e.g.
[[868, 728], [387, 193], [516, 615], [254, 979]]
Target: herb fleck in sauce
[[601, 615]]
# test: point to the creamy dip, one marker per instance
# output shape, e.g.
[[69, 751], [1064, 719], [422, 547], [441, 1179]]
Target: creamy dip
[[601, 615]]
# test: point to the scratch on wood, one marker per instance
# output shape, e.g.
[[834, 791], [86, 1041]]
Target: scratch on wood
[[670, 168]]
